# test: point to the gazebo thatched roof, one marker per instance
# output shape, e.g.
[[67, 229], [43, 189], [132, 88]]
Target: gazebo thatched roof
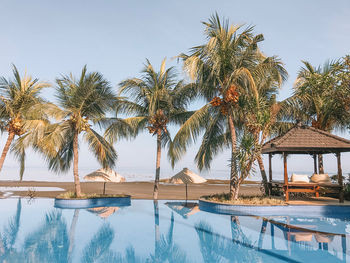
[[303, 139]]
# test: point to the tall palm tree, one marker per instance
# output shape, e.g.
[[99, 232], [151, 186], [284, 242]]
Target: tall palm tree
[[318, 100], [83, 101], [22, 110], [265, 125], [224, 72], [157, 99], [261, 112]]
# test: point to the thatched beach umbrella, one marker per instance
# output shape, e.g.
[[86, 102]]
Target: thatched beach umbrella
[[183, 209], [187, 177], [104, 175]]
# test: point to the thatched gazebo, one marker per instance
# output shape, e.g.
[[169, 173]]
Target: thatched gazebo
[[306, 140]]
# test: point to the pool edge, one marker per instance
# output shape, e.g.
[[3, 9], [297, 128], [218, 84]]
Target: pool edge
[[92, 202], [314, 210]]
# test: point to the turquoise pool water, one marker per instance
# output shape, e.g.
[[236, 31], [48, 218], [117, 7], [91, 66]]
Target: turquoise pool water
[[35, 231]]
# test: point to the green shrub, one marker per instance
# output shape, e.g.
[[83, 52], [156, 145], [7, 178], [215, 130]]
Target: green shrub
[[72, 195], [245, 200]]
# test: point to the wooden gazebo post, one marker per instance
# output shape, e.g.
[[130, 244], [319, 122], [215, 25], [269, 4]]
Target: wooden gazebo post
[[285, 176], [285, 168], [340, 179], [270, 173], [315, 163]]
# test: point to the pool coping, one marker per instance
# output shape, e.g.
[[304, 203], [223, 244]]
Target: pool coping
[[92, 202], [297, 209]]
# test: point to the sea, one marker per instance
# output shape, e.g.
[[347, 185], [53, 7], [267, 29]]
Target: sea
[[131, 174]]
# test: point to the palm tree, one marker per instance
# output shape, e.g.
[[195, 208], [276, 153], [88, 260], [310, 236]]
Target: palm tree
[[22, 111], [224, 70], [83, 102], [318, 100], [261, 112], [344, 75], [157, 99], [266, 125]]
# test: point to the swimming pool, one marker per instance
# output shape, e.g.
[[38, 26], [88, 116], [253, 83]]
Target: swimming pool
[[164, 231]]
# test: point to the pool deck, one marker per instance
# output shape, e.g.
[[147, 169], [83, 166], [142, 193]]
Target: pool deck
[[137, 190], [319, 201], [144, 190]]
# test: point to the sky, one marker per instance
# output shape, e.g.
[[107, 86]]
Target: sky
[[48, 38]]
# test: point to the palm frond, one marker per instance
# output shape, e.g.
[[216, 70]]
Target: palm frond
[[215, 139], [118, 128], [103, 151], [188, 133]]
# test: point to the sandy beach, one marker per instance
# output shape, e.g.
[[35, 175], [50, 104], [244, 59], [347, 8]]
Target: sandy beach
[[137, 190]]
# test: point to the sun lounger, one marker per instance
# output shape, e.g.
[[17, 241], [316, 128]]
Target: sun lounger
[[296, 187]]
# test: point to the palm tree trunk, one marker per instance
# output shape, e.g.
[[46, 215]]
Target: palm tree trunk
[[263, 174], [6, 148], [234, 186], [320, 164], [156, 181], [75, 165]]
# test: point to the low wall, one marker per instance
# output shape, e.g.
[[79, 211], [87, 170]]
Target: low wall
[[266, 210], [92, 202]]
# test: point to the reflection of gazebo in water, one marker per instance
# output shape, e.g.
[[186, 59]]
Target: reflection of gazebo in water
[[306, 140], [184, 209], [299, 237]]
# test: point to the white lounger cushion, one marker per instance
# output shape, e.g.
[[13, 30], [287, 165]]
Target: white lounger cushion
[[320, 178], [299, 178]]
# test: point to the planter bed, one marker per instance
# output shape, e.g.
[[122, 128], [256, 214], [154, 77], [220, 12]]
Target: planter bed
[[92, 202], [266, 210]]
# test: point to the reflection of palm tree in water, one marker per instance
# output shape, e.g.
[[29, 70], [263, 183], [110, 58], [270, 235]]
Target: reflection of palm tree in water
[[165, 250], [72, 234], [99, 245], [209, 243], [216, 248], [156, 230], [50, 242], [237, 232], [9, 236], [98, 249]]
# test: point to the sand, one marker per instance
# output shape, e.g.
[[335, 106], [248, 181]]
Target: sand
[[137, 190]]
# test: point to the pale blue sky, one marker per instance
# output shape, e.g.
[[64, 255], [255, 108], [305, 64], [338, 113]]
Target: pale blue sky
[[49, 38]]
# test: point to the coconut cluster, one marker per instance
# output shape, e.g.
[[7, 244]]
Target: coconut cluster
[[157, 122], [81, 123], [231, 97], [16, 126]]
